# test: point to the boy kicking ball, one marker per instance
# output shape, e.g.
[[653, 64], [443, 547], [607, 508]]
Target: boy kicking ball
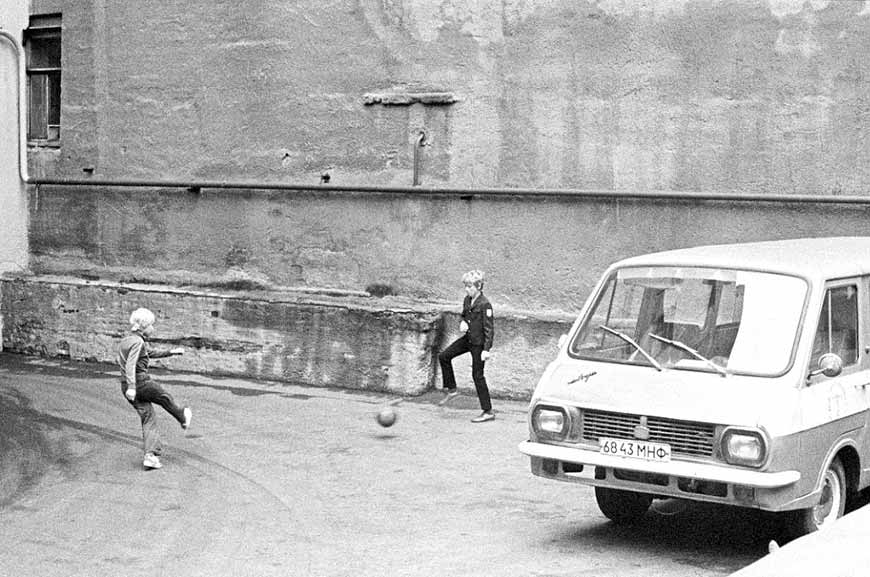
[[477, 333], [140, 390]]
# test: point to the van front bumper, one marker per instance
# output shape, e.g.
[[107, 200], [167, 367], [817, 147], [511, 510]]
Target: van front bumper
[[772, 491]]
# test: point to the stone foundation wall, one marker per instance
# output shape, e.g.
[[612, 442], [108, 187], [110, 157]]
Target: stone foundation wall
[[348, 342]]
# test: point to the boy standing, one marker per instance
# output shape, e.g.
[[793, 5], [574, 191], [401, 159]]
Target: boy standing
[[140, 390], [477, 328]]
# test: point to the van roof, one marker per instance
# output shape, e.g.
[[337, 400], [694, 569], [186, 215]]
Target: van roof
[[819, 258]]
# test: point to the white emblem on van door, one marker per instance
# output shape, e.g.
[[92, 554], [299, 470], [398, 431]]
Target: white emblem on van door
[[641, 431]]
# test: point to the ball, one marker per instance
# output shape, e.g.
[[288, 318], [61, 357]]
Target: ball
[[387, 417]]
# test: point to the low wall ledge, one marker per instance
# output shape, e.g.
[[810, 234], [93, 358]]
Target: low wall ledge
[[326, 297]]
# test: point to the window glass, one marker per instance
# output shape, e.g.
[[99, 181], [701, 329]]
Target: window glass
[[43, 52], [838, 326], [695, 318], [37, 112]]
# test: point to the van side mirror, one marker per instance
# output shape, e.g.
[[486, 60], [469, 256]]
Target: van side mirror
[[830, 365], [562, 339]]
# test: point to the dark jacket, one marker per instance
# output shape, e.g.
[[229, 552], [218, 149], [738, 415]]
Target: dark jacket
[[480, 323]]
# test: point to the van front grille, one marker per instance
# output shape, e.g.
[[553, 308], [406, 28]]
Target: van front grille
[[684, 437]]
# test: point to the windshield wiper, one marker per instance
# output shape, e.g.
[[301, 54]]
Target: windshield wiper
[[680, 345], [633, 343]]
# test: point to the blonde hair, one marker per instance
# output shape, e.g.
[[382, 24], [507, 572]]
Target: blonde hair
[[474, 277], [140, 319]]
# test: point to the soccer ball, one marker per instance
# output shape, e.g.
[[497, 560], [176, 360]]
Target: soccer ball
[[387, 416]]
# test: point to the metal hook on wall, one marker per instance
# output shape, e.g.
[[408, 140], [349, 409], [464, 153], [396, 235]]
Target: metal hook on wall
[[421, 141]]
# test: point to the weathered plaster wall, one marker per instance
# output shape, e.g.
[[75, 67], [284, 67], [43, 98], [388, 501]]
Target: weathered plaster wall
[[743, 95], [352, 343], [719, 95], [318, 342], [541, 255], [711, 95]]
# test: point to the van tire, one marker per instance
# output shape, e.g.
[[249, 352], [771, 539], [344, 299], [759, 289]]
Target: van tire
[[831, 506], [622, 507]]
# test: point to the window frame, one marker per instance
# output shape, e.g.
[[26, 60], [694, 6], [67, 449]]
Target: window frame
[[830, 287], [44, 119], [604, 291]]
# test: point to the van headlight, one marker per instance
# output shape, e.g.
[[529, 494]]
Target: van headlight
[[550, 422], [744, 447]]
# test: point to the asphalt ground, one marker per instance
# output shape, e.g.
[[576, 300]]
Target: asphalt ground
[[279, 479]]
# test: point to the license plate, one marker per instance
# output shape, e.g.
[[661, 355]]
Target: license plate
[[635, 449]]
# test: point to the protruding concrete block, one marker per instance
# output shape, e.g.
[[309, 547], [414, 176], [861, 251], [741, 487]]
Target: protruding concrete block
[[301, 339]]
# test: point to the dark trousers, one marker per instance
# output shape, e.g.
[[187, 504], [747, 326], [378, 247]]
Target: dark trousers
[[147, 392], [459, 347]]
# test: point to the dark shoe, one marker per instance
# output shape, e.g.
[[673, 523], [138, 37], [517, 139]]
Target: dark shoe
[[449, 395], [483, 417]]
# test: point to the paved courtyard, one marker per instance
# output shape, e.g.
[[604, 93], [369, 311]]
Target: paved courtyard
[[275, 479]]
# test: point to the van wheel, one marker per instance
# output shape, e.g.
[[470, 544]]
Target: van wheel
[[831, 506], [622, 507]]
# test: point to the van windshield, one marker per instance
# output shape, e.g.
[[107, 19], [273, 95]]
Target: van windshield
[[707, 319]]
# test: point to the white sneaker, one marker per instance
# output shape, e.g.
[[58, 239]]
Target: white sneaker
[[449, 395], [483, 417], [188, 415], [151, 461]]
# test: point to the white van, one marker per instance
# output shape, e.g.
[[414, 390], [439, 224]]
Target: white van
[[735, 374]]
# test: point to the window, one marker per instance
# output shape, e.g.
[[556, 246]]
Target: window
[[744, 321], [838, 326], [42, 41]]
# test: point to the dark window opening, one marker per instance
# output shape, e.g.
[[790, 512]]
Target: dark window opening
[[43, 48]]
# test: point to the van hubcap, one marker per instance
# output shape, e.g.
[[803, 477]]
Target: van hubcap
[[829, 504]]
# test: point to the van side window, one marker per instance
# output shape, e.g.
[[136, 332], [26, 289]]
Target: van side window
[[838, 326]]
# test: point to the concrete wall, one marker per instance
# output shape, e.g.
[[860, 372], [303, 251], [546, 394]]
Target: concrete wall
[[725, 95], [387, 345], [542, 255], [321, 342], [742, 95]]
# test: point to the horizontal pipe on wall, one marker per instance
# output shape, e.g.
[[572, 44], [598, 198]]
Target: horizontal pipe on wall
[[198, 185]]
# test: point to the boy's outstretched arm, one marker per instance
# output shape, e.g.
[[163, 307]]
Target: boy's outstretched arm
[[163, 353]]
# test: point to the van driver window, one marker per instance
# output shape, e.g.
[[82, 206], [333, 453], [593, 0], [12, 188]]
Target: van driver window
[[838, 326]]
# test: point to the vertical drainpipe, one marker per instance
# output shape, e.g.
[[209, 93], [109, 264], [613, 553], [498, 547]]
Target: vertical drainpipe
[[419, 143], [14, 254], [22, 118]]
